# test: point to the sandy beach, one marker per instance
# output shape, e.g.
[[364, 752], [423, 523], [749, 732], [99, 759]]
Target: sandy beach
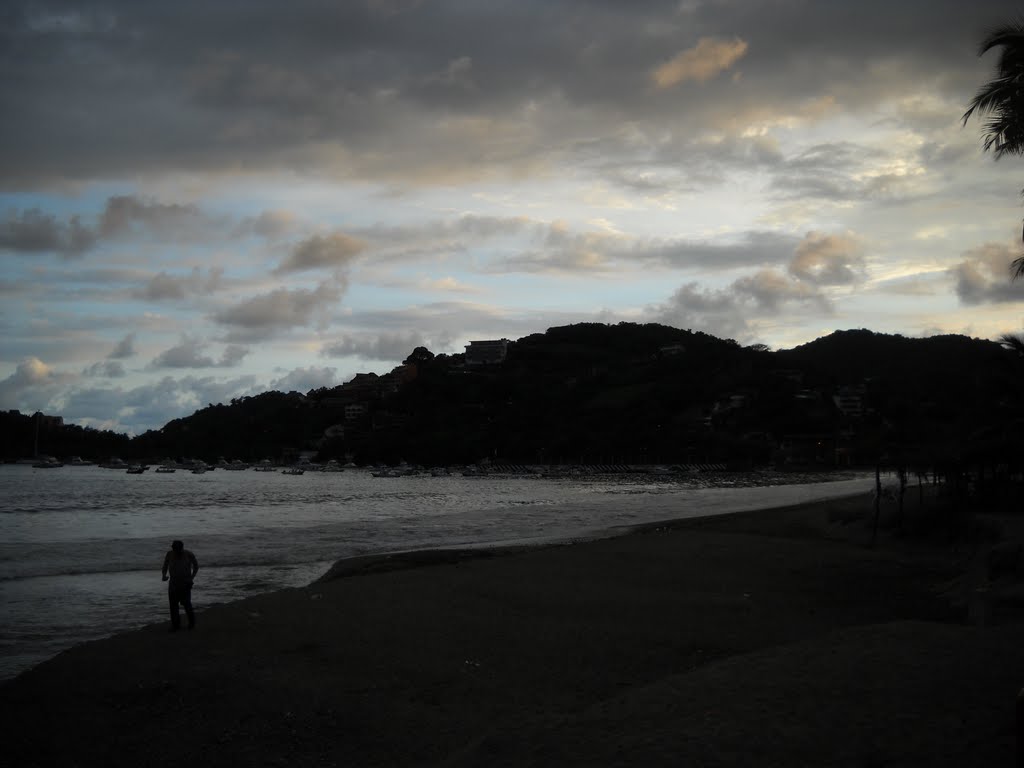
[[770, 638]]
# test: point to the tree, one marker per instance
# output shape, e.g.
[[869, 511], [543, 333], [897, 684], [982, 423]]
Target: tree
[[1002, 99]]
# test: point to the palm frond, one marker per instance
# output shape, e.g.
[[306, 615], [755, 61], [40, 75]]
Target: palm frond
[[1002, 98], [1017, 268], [1013, 342]]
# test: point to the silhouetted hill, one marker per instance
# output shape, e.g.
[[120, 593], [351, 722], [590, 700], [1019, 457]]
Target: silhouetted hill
[[625, 393], [860, 354]]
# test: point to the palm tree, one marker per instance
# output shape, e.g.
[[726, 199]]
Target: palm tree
[[1002, 99], [1012, 342]]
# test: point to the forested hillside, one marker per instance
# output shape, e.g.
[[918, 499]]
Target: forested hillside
[[615, 394]]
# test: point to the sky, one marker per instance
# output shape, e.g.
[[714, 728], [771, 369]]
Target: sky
[[207, 200]]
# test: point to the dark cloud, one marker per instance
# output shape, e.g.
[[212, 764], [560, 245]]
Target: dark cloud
[[439, 89], [270, 225], [386, 346], [733, 312], [322, 252], [746, 250], [983, 277], [163, 286], [127, 213], [124, 348], [126, 217], [281, 309], [137, 409], [306, 379], [107, 369], [825, 259], [189, 354], [33, 231]]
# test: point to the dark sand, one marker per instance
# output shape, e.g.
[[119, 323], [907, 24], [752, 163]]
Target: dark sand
[[775, 638]]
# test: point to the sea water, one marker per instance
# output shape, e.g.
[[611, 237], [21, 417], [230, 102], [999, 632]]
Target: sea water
[[81, 547]]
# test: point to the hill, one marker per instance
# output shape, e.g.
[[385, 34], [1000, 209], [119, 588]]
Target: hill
[[613, 394]]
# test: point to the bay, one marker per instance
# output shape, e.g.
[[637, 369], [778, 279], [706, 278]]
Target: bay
[[81, 547]]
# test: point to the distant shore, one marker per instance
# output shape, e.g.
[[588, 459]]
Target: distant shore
[[767, 637]]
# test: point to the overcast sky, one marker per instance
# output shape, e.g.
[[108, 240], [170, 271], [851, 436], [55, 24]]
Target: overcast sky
[[204, 200]]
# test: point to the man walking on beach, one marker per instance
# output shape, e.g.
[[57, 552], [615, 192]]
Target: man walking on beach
[[181, 567]]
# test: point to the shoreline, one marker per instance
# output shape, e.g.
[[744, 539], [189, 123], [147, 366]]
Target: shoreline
[[383, 562], [705, 640]]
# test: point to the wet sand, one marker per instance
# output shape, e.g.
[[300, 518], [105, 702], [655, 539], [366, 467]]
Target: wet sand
[[774, 637]]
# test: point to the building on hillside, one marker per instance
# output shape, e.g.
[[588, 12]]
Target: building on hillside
[[850, 401], [486, 352], [363, 385], [355, 411], [671, 350]]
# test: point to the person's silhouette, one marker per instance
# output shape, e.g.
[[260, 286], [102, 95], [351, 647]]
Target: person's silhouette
[[180, 568]]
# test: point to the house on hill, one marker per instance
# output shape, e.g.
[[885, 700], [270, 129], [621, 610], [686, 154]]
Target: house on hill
[[486, 352]]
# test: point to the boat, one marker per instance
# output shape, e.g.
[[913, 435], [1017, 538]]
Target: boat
[[136, 469], [292, 471], [265, 466], [78, 461], [387, 473], [165, 470], [198, 470], [47, 462]]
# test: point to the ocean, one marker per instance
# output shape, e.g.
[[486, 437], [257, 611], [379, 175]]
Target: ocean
[[81, 547]]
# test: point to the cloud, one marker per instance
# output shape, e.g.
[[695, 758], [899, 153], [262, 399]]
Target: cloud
[[164, 287], [128, 214], [746, 249], [188, 354], [270, 225], [32, 231], [770, 290], [124, 348], [713, 311], [825, 259], [322, 251], [733, 312], [433, 92], [702, 62], [137, 409], [448, 284], [385, 346], [983, 277], [124, 216], [107, 369], [282, 308], [31, 386], [306, 379]]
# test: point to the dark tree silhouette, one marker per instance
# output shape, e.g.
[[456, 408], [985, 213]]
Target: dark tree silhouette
[[1002, 101]]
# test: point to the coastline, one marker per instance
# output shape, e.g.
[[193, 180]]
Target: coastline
[[774, 633]]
